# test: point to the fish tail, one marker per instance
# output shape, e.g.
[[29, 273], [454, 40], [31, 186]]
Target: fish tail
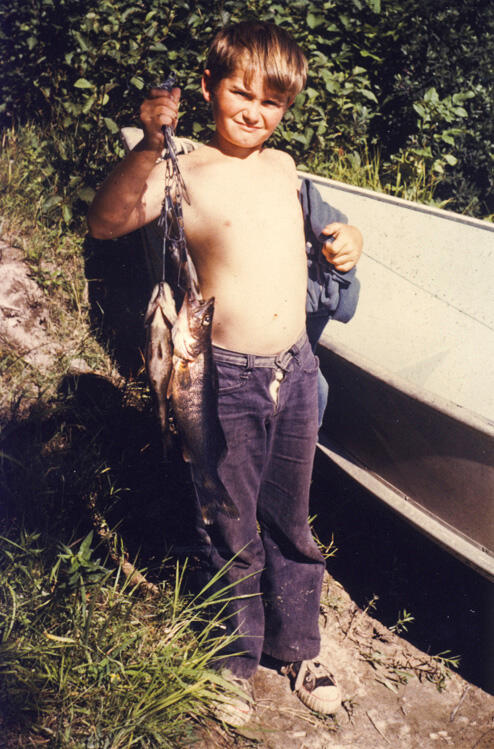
[[214, 499], [211, 510]]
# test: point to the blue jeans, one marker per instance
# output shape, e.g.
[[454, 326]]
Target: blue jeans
[[268, 410]]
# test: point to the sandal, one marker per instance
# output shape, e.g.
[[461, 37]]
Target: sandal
[[314, 685]]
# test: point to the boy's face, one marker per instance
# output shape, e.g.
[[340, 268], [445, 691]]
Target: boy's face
[[245, 114]]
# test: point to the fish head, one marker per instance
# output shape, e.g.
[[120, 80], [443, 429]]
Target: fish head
[[200, 318], [192, 332], [162, 299]]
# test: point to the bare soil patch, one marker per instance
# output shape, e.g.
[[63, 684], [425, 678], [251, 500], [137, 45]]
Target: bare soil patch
[[390, 694]]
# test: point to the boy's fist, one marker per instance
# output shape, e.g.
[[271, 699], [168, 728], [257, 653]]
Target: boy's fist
[[158, 110], [345, 249]]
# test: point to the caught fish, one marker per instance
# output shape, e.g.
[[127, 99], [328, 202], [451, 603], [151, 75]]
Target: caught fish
[[194, 403], [159, 320]]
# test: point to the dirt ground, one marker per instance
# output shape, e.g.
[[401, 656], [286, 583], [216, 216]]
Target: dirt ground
[[393, 694]]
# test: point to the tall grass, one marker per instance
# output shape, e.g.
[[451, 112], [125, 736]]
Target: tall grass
[[85, 660], [406, 176]]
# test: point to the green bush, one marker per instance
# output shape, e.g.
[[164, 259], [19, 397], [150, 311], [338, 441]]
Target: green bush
[[408, 78], [436, 97]]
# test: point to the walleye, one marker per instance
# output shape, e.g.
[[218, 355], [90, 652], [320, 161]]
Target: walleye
[[159, 320], [194, 401]]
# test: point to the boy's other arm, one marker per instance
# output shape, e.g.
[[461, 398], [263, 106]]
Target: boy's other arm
[[345, 249], [132, 194]]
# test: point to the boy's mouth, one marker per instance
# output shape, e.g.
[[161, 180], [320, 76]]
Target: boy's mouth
[[249, 128]]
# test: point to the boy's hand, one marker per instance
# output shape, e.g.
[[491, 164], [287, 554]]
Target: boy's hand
[[159, 109], [345, 249]]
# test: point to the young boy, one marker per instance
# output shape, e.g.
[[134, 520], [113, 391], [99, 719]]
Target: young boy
[[245, 234]]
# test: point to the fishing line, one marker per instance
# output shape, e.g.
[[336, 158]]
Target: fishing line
[[171, 220]]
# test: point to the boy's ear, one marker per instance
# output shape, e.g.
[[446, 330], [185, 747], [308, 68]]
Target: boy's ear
[[206, 85]]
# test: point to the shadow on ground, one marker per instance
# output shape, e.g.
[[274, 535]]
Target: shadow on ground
[[103, 442]]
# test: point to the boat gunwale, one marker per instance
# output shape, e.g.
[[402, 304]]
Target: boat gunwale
[[399, 202]]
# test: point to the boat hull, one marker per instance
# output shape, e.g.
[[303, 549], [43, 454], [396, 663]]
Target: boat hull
[[430, 467], [411, 398]]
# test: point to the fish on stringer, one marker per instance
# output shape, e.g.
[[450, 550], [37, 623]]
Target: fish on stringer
[[191, 377], [194, 399], [160, 317]]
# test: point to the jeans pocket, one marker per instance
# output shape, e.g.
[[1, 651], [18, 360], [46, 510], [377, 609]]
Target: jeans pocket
[[231, 377], [310, 363]]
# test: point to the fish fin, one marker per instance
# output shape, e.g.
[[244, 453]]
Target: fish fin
[[230, 510], [216, 499], [207, 517], [182, 372], [210, 511]]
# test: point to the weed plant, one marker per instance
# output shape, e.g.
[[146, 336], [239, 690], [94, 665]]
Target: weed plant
[[86, 661], [55, 259], [405, 177], [413, 79]]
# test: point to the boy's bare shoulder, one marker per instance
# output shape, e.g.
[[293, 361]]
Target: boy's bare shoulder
[[281, 158], [201, 155]]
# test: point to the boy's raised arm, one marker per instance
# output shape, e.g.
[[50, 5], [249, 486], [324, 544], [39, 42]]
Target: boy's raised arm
[[131, 195]]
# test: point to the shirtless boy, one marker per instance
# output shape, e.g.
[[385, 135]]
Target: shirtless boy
[[245, 233]]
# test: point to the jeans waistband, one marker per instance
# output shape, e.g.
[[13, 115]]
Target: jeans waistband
[[249, 361]]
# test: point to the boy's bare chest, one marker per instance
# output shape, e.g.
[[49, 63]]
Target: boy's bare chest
[[232, 202]]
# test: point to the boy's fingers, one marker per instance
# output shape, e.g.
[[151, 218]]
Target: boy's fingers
[[333, 228], [331, 253], [336, 246], [344, 267], [174, 94], [160, 108], [340, 260]]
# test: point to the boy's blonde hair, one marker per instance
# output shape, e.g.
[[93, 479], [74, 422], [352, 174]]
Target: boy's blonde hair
[[258, 46]]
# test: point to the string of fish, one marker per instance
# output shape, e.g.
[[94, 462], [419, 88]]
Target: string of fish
[[171, 219], [179, 357]]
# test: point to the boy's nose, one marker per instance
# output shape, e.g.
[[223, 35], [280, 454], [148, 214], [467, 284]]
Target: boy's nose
[[251, 111]]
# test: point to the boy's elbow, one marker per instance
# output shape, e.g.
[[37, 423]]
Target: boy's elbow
[[99, 228], [97, 233]]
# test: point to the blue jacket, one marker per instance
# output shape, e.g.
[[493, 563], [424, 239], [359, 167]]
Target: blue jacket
[[331, 294]]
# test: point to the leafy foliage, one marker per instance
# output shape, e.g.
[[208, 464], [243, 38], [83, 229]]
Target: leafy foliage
[[411, 79]]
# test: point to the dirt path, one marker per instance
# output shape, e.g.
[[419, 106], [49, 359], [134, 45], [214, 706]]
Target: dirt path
[[390, 689]]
